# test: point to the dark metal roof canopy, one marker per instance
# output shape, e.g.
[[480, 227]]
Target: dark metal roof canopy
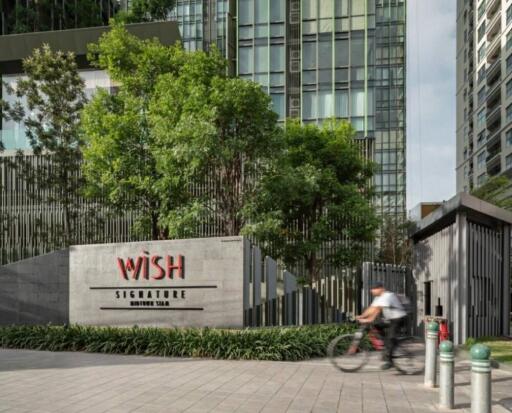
[[477, 211], [14, 48]]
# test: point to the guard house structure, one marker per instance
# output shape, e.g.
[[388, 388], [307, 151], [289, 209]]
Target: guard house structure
[[461, 265]]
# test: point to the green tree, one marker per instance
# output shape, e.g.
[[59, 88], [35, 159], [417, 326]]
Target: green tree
[[120, 149], [223, 136], [314, 207], [150, 10], [53, 93], [497, 190]]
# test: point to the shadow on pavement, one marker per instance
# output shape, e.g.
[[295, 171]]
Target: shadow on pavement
[[12, 360]]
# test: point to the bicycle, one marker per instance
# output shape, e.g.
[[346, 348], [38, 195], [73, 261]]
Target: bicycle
[[350, 352]]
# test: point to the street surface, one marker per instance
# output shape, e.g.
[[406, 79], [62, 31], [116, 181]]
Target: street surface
[[32, 381]]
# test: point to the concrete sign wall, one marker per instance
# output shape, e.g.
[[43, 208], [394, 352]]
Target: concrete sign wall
[[35, 290], [177, 283]]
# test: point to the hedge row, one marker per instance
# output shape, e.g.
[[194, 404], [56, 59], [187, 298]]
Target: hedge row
[[291, 344]]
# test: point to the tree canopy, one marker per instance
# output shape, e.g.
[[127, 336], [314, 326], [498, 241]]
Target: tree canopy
[[314, 207], [49, 101], [178, 140]]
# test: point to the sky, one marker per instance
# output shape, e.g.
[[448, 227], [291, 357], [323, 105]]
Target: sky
[[431, 45]]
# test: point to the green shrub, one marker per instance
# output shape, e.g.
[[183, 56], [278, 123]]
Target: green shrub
[[470, 342], [291, 343]]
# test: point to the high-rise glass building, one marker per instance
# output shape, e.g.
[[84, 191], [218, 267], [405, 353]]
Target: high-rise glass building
[[320, 59], [317, 59], [484, 91]]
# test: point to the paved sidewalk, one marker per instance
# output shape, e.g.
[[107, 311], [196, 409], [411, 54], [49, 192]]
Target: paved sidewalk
[[33, 381]]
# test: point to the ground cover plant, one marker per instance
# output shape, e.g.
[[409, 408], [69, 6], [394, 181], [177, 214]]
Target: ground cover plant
[[279, 343], [501, 348]]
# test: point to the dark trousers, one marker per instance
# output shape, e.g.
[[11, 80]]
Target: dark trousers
[[389, 330]]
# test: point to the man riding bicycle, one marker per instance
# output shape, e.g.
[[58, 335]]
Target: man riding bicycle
[[389, 307]]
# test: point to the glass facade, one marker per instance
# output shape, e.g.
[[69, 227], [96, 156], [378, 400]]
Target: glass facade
[[320, 59], [13, 133], [203, 23], [317, 59], [261, 47], [330, 58]]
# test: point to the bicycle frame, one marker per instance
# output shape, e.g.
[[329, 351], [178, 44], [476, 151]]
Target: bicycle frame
[[373, 335]]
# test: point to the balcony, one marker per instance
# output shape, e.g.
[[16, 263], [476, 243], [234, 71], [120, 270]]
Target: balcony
[[492, 7], [493, 93], [493, 71], [493, 115], [493, 26], [494, 49], [493, 160], [495, 168], [493, 139]]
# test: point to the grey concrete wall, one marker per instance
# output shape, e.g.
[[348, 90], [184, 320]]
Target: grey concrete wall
[[209, 295], [36, 290], [435, 261]]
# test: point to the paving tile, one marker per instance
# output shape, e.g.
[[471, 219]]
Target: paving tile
[[75, 382]]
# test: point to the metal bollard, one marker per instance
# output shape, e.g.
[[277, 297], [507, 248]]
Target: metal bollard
[[480, 379], [430, 354], [446, 375]]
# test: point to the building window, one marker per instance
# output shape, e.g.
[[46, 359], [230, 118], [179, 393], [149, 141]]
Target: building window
[[508, 136], [480, 120], [481, 53], [508, 161], [480, 160], [509, 88], [509, 14], [261, 59], [245, 60], [309, 55], [325, 104], [357, 102], [481, 179], [509, 40], [509, 64], [481, 10], [481, 139], [278, 105], [277, 58], [509, 113], [245, 11], [277, 10], [481, 31], [341, 104], [309, 105], [481, 74], [481, 96]]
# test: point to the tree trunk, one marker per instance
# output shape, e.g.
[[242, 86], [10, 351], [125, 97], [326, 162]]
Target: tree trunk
[[155, 230]]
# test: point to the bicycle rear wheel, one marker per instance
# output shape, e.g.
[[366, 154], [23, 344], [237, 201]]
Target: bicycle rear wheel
[[345, 354], [408, 356]]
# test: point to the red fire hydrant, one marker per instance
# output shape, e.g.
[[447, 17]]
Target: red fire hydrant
[[444, 334]]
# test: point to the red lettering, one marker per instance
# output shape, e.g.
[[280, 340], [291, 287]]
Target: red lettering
[[161, 272], [130, 267], [141, 266], [122, 268], [171, 267], [145, 267]]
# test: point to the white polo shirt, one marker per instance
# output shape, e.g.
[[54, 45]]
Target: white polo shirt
[[391, 306]]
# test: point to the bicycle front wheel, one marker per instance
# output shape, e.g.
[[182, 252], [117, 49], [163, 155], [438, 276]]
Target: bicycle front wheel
[[345, 353], [408, 356]]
